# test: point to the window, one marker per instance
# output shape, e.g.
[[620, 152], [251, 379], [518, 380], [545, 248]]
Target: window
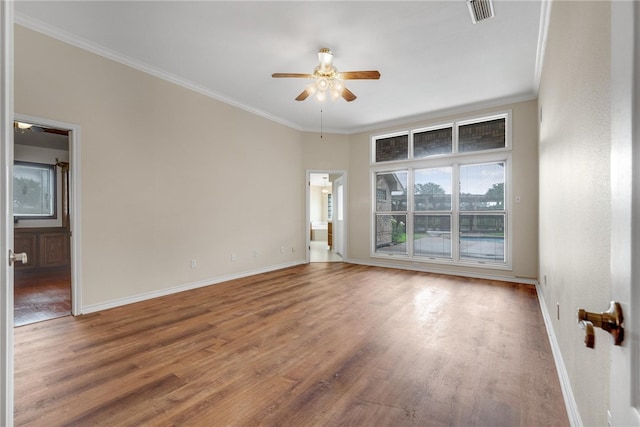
[[391, 212], [433, 142], [432, 197], [482, 213], [484, 135], [392, 148], [444, 199], [34, 191]]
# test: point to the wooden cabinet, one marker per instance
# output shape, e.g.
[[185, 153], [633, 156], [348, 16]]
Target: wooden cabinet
[[330, 235], [45, 247], [27, 243], [53, 249]]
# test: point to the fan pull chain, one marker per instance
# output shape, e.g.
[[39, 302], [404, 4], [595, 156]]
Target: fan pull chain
[[320, 123]]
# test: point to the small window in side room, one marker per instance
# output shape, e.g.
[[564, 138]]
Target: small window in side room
[[34, 191]]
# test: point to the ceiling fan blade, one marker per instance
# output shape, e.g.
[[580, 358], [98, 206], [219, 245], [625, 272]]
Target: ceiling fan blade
[[353, 75], [348, 95], [295, 75], [303, 95]]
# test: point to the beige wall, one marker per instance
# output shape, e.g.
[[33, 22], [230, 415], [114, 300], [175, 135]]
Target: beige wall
[[574, 162], [524, 184], [168, 175], [329, 153]]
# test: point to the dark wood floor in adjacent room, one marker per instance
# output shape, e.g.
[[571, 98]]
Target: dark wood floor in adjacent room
[[314, 345], [41, 296]]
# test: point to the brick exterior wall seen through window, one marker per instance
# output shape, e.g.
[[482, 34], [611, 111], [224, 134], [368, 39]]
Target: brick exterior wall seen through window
[[482, 136]]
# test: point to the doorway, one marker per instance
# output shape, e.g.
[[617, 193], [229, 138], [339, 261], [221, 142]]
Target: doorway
[[325, 216], [42, 222]]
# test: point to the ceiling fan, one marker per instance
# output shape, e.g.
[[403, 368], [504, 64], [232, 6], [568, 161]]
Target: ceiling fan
[[327, 79]]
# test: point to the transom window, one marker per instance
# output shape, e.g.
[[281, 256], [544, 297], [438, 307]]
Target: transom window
[[444, 198]]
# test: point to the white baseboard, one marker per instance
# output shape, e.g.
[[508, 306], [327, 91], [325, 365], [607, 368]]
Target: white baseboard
[[565, 384], [185, 287]]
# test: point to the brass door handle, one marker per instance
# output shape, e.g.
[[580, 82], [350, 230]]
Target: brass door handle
[[610, 321]]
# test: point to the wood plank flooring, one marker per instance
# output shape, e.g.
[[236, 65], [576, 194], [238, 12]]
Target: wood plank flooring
[[315, 345]]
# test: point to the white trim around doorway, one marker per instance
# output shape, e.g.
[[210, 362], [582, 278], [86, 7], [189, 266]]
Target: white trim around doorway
[[345, 205], [74, 207]]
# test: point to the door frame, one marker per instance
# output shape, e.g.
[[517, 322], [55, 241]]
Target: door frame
[[74, 202], [338, 205], [345, 241]]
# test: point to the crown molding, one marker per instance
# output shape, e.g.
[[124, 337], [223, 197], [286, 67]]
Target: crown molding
[[543, 31], [461, 109]]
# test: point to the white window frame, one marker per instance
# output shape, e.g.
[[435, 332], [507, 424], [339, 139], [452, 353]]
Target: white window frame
[[455, 160]]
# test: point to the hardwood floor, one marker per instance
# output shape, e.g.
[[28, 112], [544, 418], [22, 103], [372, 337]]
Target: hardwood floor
[[39, 297], [313, 345]]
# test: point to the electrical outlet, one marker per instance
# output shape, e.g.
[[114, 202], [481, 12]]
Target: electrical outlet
[[193, 263], [281, 249], [518, 199], [234, 256], [255, 253]]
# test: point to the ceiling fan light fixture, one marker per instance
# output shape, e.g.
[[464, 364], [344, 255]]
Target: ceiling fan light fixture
[[337, 87], [325, 58], [322, 83], [311, 89], [325, 78]]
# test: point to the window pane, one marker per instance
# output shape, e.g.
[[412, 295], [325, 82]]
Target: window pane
[[391, 191], [33, 190], [432, 235], [391, 234], [482, 187], [432, 189], [482, 136], [392, 148], [432, 142], [482, 237]]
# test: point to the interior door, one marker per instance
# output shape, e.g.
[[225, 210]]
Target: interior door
[[625, 201], [6, 215]]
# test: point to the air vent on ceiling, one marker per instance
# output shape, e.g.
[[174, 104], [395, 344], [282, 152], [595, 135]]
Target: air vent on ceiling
[[480, 10]]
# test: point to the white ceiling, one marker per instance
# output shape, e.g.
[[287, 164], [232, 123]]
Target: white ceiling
[[432, 58]]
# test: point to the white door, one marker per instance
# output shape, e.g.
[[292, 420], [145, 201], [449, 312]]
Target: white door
[[625, 202], [6, 215], [338, 216]]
